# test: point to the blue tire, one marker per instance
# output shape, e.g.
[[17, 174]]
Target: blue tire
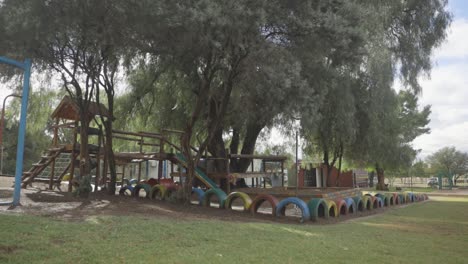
[[132, 182], [123, 190], [200, 195], [379, 202], [218, 193], [352, 208], [281, 207]]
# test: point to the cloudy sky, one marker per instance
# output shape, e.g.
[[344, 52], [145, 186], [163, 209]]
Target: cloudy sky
[[445, 90]]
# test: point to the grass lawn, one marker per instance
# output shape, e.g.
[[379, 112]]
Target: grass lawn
[[431, 232]]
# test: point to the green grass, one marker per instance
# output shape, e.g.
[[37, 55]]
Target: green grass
[[431, 232]]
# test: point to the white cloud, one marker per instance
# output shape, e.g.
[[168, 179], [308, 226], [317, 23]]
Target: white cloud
[[447, 91], [456, 44], [445, 136]]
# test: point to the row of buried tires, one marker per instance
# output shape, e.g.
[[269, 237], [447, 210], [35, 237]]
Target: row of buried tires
[[313, 209]]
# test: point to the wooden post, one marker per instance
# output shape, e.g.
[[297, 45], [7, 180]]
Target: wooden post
[[54, 145], [160, 162], [172, 171], [282, 173], [72, 169], [123, 175], [264, 171], [98, 161], [227, 176], [105, 165], [139, 163], [253, 180]]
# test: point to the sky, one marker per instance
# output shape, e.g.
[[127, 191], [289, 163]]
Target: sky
[[445, 90]]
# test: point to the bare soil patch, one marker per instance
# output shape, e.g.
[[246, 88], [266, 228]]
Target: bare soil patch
[[65, 206]]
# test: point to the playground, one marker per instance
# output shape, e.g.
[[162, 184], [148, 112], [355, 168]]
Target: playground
[[224, 132], [166, 176]]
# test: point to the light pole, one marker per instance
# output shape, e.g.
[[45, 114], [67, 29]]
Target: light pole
[[2, 124]]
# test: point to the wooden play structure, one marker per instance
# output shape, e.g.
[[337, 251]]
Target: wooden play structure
[[59, 162]]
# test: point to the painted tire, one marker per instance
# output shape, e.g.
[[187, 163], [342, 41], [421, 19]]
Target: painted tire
[[218, 193], [152, 182], [367, 202], [281, 207], [396, 199], [138, 187], [411, 197], [158, 192], [360, 206], [234, 195], [391, 200], [166, 182], [375, 202], [317, 208], [341, 206], [123, 190], [169, 191], [351, 205], [399, 200], [132, 182], [379, 202], [332, 210], [384, 198], [200, 195], [402, 198], [426, 197], [259, 199]]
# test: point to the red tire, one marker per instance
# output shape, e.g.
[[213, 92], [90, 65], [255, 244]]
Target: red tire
[[341, 206], [152, 182], [264, 198]]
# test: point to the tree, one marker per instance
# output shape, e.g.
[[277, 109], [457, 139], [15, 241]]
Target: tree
[[77, 40], [450, 161], [38, 133]]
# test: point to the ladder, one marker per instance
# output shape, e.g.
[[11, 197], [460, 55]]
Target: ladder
[[61, 167], [37, 168]]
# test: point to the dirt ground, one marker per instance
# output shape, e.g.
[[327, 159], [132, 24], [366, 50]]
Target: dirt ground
[[63, 205]]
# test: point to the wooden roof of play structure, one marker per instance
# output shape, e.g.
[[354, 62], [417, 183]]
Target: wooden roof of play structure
[[68, 109]]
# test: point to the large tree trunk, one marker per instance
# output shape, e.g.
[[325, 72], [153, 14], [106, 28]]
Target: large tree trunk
[[380, 178], [187, 151], [340, 159], [110, 157], [326, 161], [217, 149], [84, 176], [109, 143], [248, 147]]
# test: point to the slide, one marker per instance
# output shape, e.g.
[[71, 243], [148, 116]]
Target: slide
[[198, 173]]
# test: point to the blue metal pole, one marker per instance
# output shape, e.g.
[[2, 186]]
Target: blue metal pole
[[22, 132], [26, 67]]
